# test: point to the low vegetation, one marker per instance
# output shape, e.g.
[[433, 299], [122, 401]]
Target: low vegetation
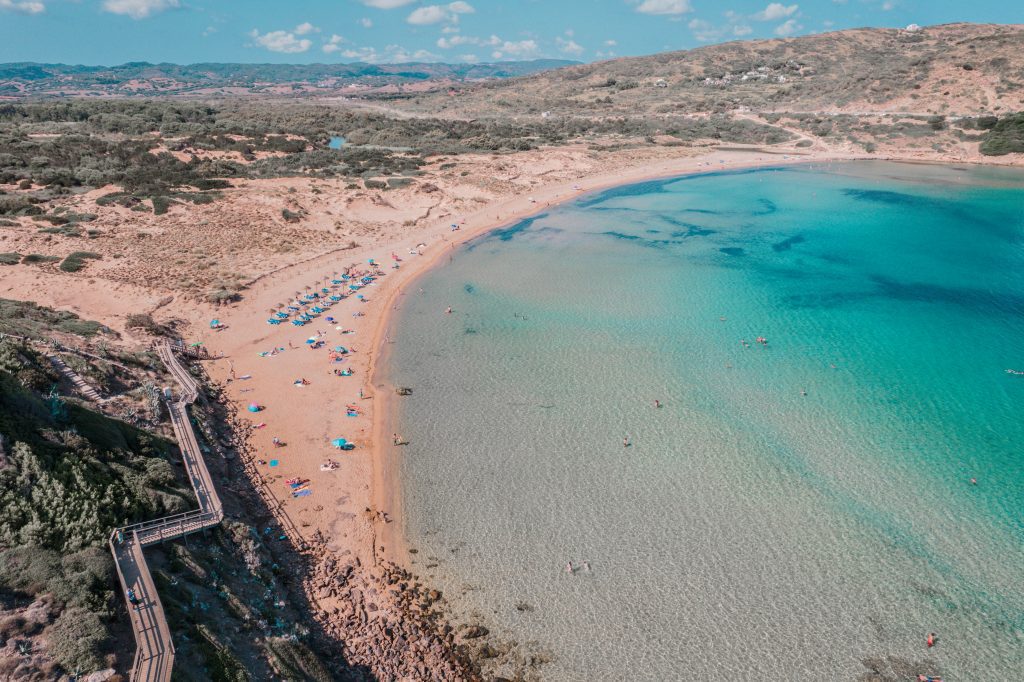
[[24, 318], [1006, 136], [68, 476]]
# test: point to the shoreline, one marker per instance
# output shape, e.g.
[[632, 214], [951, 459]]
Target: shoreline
[[386, 484]]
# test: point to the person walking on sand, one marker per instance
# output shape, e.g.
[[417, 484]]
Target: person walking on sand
[[932, 638], [569, 568], [396, 439]]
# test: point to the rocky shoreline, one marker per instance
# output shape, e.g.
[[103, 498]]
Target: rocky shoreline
[[383, 621]]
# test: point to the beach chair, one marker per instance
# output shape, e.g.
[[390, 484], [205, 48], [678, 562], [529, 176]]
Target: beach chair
[[298, 323], [273, 321]]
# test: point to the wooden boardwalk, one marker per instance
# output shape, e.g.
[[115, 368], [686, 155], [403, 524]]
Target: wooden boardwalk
[[76, 379], [154, 654]]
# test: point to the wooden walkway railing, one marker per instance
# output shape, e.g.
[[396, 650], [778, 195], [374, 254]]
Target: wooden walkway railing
[[154, 654]]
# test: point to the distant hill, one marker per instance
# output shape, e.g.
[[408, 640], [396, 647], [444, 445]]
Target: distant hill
[[955, 69], [22, 79]]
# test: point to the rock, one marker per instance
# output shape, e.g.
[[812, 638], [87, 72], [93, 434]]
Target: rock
[[474, 631]]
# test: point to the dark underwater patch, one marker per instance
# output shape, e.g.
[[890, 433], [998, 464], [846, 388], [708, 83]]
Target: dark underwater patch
[[884, 196], [767, 207], [622, 235], [468, 288], [505, 234], [787, 244], [733, 251]]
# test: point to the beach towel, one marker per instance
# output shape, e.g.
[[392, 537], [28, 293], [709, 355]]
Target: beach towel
[[273, 462]]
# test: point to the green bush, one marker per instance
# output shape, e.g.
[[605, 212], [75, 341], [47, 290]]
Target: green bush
[[77, 639], [76, 260], [160, 205], [23, 318], [1005, 137], [10, 258], [33, 258]]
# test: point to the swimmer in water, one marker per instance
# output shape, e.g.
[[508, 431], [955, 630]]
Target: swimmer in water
[[657, 403], [569, 568], [931, 639], [625, 442], [449, 310]]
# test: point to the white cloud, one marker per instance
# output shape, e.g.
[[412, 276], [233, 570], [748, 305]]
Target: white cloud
[[788, 28], [888, 6], [333, 44], [366, 23], [139, 9], [431, 14], [386, 4], [471, 58], [281, 41], [611, 43], [776, 11], [569, 46], [521, 49], [457, 40], [23, 6], [704, 31], [741, 30], [435, 14], [390, 54], [664, 7], [304, 28]]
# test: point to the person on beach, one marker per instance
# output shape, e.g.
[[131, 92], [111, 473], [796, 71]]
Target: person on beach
[[625, 442], [586, 566], [569, 568], [932, 638]]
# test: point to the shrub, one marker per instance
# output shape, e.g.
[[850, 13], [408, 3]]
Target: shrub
[[1005, 137], [76, 640], [145, 322], [33, 258], [76, 260], [10, 258], [160, 205]]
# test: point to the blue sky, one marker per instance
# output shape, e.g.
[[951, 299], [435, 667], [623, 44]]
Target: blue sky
[[306, 31]]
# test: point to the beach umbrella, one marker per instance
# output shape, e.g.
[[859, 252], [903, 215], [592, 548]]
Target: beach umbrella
[[329, 319], [341, 349], [214, 323], [253, 407], [339, 442], [310, 342]]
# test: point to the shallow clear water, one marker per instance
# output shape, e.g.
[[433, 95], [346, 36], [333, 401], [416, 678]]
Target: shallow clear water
[[750, 530]]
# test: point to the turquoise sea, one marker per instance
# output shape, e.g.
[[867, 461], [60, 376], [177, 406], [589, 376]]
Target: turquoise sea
[[796, 510]]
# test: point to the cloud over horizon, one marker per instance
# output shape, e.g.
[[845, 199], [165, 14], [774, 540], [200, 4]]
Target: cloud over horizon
[[139, 9]]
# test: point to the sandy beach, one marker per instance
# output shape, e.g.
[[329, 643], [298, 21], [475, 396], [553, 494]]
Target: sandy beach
[[351, 509]]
